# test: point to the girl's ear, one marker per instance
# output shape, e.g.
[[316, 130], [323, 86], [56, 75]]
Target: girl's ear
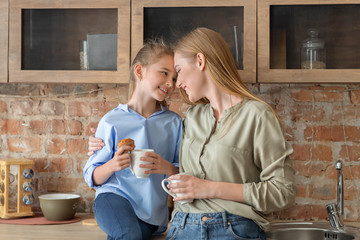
[[138, 71], [200, 61]]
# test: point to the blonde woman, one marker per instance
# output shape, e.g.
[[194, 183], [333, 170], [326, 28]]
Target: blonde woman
[[232, 149]]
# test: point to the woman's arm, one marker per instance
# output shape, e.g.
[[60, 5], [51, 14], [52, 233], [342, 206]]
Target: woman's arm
[[193, 187]]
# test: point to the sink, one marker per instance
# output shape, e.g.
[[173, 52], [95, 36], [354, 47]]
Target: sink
[[310, 231]]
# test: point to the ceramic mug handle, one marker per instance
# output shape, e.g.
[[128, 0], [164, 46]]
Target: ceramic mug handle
[[166, 180]]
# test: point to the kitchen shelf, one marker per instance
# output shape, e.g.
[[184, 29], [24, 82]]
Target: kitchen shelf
[[283, 25], [46, 36], [170, 20]]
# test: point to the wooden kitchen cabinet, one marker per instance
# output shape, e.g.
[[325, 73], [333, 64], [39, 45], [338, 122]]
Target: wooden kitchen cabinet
[[235, 20], [4, 10], [46, 41], [283, 25]]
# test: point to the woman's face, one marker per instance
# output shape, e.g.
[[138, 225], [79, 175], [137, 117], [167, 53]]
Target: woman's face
[[190, 77], [159, 78]]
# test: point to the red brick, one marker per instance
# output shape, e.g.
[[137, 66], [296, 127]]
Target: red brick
[[58, 126], [303, 212], [55, 146], [328, 96], [50, 108], [355, 96], [63, 184], [3, 107], [75, 127], [324, 133], [322, 152], [60, 165], [11, 126], [352, 133], [308, 113], [119, 94], [38, 126], [322, 191], [346, 114], [24, 144], [77, 146], [79, 109], [301, 152], [351, 212], [23, 108], [301, 191], [301, 95], [101, 108], [310, 168], [350, 151]]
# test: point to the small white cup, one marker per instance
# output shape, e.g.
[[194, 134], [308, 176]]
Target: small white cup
[[168, 181], [135, 162]]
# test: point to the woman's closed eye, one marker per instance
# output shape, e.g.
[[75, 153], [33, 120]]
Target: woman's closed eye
[[164, 73]]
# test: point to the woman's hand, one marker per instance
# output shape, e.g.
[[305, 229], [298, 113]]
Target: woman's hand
[[157, 165], [192, 187], [94, 143]]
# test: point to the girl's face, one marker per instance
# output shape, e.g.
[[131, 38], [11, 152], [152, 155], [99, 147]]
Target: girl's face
[[159, 78], [190, 77]]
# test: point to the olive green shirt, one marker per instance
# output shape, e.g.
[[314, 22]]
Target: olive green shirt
[[245, 146]]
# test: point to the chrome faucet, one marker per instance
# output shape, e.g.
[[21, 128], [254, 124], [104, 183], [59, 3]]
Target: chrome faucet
[[336, 212]]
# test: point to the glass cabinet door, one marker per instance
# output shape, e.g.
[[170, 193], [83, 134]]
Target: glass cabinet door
[[235, 20], [308, 41], [4, 10], [69, 41]]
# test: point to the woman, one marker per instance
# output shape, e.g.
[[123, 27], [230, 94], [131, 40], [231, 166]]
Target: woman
[[232, 149]]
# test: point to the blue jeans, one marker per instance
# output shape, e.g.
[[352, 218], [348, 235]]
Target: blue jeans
[[116, 217], [223, 225]]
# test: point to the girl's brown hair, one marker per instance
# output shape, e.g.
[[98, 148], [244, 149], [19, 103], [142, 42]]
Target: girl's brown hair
[[150, 53]]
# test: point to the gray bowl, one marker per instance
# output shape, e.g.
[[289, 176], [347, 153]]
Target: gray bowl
[[59, 206]]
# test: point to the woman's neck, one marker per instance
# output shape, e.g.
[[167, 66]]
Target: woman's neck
[[221, 100]]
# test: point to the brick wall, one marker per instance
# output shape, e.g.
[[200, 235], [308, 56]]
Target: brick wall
[[49, 123]]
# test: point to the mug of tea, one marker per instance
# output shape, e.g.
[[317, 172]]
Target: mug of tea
[[136, 161], [167, 181]]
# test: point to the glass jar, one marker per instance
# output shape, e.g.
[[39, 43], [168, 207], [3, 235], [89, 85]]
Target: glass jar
[[313, 55]]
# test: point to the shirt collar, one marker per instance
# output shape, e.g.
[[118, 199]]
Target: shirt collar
[[126, 108]]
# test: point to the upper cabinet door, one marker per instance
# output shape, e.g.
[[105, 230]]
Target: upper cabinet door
[[308, 41], [69, 41], [4, 11], [235, 20]]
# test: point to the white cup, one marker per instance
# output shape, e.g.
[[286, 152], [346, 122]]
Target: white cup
[[168, 181], [135, 162]]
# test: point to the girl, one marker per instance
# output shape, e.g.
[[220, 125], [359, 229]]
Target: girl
[[127, 207]]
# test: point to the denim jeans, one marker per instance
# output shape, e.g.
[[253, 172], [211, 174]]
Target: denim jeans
[[220, 226], [116, 217]]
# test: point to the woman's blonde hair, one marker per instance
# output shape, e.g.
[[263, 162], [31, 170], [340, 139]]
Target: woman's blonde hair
[[219, 62], [149, 54]]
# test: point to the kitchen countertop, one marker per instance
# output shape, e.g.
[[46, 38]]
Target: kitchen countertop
[[76, 231]]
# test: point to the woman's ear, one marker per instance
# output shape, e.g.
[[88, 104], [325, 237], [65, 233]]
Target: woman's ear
[[138, 71], [200, 61]]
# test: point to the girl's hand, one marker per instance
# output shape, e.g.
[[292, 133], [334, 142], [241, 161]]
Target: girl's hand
[[192, 187], [121, 159], [157, 165], [94, 143]]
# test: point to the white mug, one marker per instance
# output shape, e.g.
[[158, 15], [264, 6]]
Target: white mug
[[168, 181], [135, 162]]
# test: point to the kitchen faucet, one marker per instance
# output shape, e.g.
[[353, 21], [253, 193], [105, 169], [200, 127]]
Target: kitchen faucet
[[336, 212]]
